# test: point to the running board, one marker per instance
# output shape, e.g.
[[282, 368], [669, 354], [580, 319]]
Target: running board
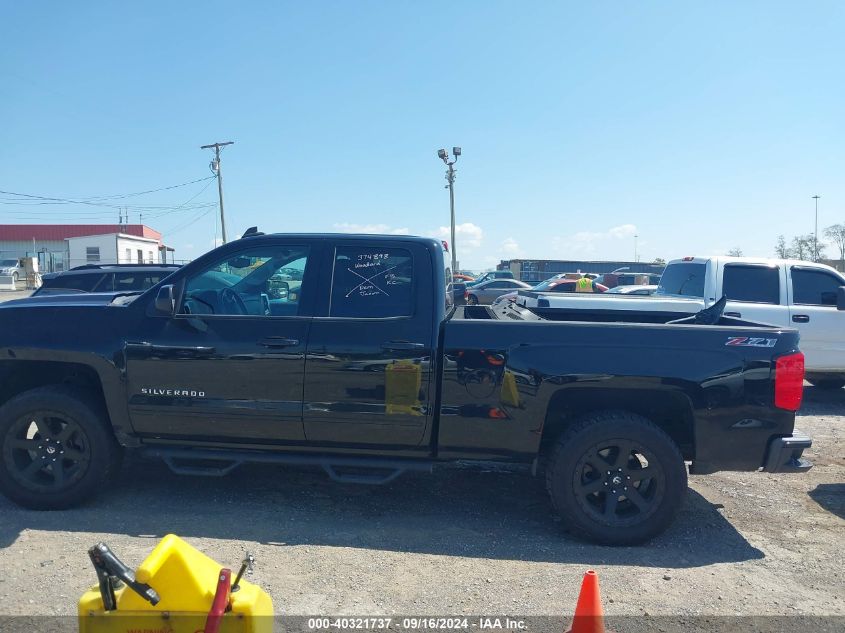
[[184, 461]]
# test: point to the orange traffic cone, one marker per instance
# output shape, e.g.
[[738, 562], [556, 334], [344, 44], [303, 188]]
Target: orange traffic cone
[[589, 617]]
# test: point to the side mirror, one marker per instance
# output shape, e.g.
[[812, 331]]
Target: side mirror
[[278, 289], [840, 298], [165, 300]]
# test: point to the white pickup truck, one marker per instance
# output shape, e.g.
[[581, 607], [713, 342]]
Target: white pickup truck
[[804, 295]]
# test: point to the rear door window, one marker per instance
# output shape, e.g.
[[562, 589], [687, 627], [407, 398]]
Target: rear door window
[[754, 284], [372, 282], [85, 282]]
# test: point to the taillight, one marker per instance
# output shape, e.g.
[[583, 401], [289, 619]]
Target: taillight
[[789, 381], [466, 294]]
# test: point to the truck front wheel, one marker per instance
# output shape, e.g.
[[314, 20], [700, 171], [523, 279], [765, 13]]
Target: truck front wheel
[[616, 478], [56, 449]]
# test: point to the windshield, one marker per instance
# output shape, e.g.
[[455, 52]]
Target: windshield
[[683, 279], [8, 262]]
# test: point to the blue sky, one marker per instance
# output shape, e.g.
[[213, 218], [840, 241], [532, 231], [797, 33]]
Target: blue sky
[[697, 126]]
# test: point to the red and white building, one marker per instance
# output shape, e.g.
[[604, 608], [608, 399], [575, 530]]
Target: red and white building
[[63, 246]]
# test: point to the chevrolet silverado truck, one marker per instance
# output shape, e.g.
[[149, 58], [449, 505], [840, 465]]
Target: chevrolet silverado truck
[[364, 368]]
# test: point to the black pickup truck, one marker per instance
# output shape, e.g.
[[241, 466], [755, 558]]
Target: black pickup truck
[[343, 351]]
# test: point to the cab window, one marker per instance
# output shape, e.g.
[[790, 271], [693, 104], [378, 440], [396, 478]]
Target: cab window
[[262, 281]]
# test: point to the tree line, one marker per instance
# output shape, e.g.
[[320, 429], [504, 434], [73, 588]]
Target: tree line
[[804, 246]]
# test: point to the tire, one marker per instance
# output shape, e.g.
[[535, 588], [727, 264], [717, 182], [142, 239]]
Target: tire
[[472, 300], [828, 384], [577, 479], [53, 425]]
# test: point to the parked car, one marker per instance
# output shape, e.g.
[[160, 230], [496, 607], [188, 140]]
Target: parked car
[[785, 293], [105, 278], [486, 292], [11, 268], [632, 290], [209, 377], [488, 276], [559, 283]]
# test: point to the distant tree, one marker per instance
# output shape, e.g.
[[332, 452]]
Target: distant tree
[[802, 247], [781, 249], [659, 261], [836, 234], [736, 251]]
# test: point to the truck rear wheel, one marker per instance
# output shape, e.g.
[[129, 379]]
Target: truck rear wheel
[[56, 450], [616, 478]]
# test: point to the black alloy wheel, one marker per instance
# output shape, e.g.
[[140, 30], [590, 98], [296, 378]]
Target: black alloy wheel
[[57, 448], [46, 451], [615, 477], [617, 484]]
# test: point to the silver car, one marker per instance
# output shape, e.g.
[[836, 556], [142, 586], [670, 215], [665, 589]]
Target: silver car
[[487, 292]]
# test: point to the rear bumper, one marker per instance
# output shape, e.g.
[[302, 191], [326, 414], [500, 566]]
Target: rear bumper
[[784, 454]]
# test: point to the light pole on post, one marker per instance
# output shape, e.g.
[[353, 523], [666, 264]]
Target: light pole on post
[[816, 234], [450, 179]]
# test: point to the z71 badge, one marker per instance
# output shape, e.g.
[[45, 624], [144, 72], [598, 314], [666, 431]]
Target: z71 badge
[[747, 341]]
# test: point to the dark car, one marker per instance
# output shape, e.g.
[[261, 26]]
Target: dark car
[[105, 278]]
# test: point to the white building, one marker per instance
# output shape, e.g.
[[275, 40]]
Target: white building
[[112, 248], [91, 243]]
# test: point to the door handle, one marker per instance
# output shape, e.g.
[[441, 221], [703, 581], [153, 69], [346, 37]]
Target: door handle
[[278, 341], [398, 346], [801, 318], [736, 315]]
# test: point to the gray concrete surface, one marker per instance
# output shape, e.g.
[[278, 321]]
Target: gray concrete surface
[[457, 541]]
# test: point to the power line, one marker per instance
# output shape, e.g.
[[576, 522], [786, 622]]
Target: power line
[[95, 201]]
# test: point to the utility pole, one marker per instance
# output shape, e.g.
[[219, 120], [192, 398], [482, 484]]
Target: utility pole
[[443, 155], [218, 170], [635, 247], [816, 238]]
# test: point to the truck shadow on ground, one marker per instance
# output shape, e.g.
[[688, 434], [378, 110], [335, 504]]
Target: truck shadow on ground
[[454, 512], [821, 402], [831, 497]]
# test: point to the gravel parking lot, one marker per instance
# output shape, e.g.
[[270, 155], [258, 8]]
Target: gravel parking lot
[[458, 541]]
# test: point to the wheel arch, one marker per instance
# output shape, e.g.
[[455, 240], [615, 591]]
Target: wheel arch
[[670, 410], [20, 375]]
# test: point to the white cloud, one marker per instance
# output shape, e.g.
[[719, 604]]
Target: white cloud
[[510, 248], [382, 229], [467, 235], [607, 244]]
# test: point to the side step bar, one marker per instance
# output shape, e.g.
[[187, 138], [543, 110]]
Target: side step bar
[[384, 470]]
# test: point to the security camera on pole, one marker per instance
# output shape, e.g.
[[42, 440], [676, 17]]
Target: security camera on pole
[[450, 178]]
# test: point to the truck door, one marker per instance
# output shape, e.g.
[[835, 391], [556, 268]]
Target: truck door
[[229, 364], [813, 311], [367, 369], [755, 292]]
